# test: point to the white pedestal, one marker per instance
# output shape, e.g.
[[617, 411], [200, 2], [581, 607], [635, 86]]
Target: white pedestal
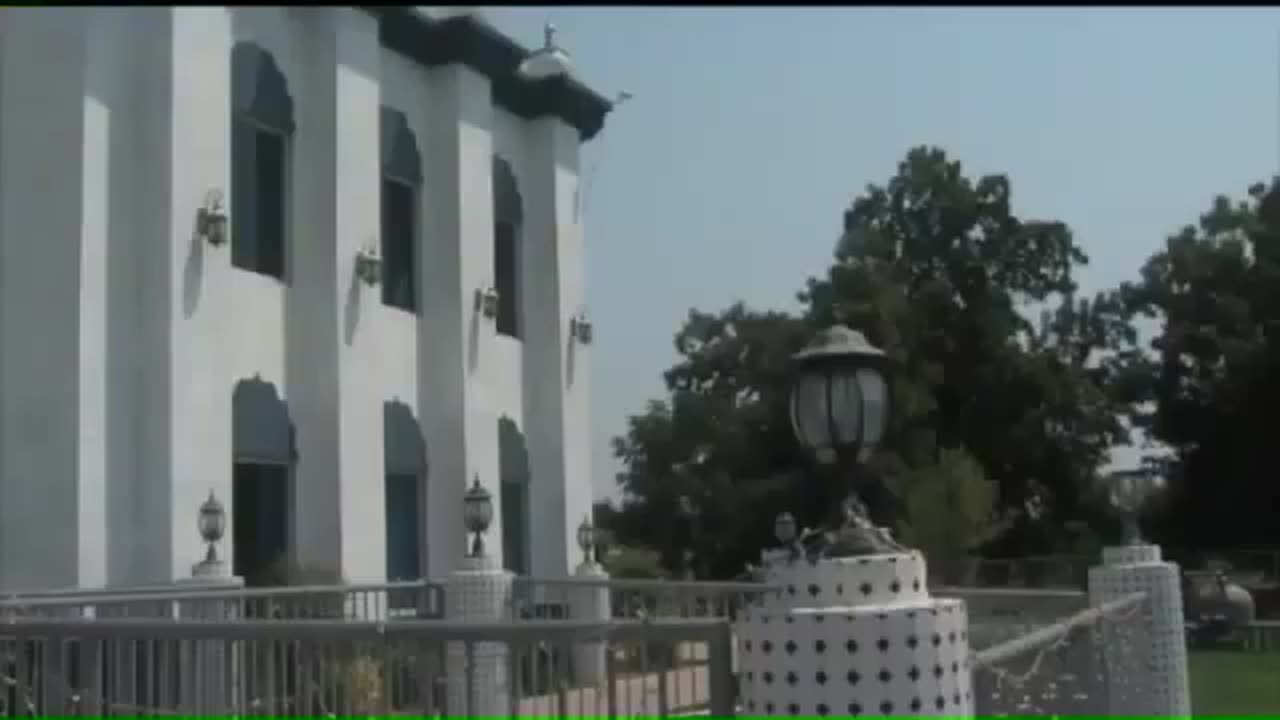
[[590, 603], [1150, 680], [855, 636], [479, 591], [208, 667]]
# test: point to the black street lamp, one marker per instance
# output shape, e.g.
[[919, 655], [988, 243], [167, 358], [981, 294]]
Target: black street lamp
[[587, 538], [477, 515], [840, 400], [840, 405], [212, 524]]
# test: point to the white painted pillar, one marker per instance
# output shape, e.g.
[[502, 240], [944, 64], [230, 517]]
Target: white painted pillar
[[454, 338], [1151, 679], [556, 367], [333, 387], [187, 448], [855, 636], [590, 603], [478, 673], [54, 138]]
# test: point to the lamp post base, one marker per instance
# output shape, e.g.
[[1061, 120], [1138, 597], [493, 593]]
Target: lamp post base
[[853, 636]]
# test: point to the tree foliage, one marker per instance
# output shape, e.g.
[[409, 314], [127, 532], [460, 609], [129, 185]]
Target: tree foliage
[[938, 270], [950, 509], [1213, 370]]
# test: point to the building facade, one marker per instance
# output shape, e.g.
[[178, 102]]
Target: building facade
[[323, 263]]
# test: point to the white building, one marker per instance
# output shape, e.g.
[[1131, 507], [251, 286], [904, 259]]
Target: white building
[[146, 359]]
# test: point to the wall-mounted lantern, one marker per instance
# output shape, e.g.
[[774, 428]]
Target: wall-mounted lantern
[[369, 265], [487, 302], [580, 328], [211, 219]]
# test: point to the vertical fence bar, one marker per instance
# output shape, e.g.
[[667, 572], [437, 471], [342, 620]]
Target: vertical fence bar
[[720, 671]]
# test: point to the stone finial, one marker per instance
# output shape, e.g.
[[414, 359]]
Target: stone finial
[[549, 36]]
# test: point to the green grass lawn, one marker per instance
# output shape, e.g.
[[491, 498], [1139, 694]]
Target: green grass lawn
[[1225, 682]]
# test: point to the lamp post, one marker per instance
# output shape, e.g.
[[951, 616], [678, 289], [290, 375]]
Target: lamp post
[[840, 406], [1130, 491], [587, 541], [212, 524], [477, 515]]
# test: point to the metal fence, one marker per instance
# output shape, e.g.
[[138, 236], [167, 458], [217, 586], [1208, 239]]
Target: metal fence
[[656, 649], [334, 667], [376, 601]]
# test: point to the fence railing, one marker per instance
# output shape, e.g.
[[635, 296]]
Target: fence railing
[[558, 598], [375, 601], [1091, 663], [336, 667]]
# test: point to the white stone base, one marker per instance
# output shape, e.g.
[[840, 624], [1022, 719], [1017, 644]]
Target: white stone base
[[855, 636], [1150, 680]]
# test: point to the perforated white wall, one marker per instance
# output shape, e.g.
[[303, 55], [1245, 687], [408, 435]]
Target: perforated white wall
[[1158, 686], [855, 636]]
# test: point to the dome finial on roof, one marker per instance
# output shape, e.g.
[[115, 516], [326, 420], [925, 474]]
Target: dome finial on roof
[[550, 60]]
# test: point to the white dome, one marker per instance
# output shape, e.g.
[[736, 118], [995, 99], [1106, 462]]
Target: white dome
[[548, 61]]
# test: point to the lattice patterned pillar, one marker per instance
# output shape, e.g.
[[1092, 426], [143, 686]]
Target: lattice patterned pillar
[[1156, 686], [479, 591], [855, 636], [590, 602]]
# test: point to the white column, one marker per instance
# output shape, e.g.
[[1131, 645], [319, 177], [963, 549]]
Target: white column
[[53, 237], [1150, 679], [187, 448], [556, 368], [333, 390], [478, 683], [458, 421], [855, 636], [590, 603]]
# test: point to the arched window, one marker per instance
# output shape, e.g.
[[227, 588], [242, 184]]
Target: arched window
[[513, 473], [401, 184], [261, 133], [508, 216]]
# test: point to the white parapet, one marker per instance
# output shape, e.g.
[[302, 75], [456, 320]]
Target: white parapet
[[478, 682], [1151, 679], [855, 636]]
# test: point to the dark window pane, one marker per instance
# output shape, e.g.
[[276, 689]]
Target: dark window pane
[[403, 533], [505, 271], [399, 233], [514, 508], [244, 196], [271, 177]]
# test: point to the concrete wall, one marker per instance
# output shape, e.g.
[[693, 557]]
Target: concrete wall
[[123, 335]]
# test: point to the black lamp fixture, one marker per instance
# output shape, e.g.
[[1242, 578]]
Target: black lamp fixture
[[840, 400], [211, 219], [586, 540], [785, 529], [1130, 492], [212, 524], [477, 515]]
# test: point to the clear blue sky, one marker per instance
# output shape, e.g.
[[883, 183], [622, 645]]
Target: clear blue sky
[[753, 128]]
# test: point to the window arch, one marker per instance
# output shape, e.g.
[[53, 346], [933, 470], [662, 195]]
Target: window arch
[[401, 188], [262, 125], [508, 217]]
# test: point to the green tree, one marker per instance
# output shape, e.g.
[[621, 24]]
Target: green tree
[[938, 270], [1212, 371], [950, 508]]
